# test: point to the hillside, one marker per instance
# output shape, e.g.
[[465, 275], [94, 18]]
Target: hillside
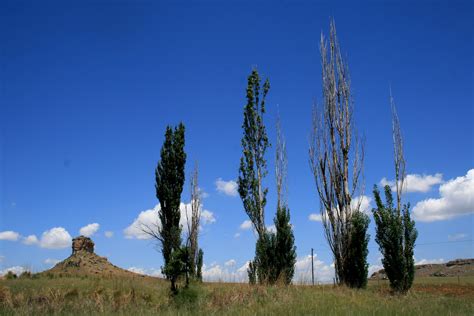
[[84, 262], [454, 268]]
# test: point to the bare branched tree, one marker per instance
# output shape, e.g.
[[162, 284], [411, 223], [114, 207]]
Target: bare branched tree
[[336, 153], [194, 222], [281, 164], [399, 160]]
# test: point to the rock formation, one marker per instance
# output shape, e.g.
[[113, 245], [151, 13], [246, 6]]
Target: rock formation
[[82, 243]]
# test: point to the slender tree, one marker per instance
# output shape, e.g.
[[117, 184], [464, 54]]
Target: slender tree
[[253, 164], [169, 181], [336, 155], [395, 230], [193, 222], [285, 249]]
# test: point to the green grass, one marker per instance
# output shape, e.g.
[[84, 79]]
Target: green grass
[[146, 296]]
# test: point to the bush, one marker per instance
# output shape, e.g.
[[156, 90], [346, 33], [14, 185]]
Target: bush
[[10, 275]]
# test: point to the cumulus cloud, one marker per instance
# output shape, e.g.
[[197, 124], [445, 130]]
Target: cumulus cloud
[[230, 263], [227, 187], [216, 273], [416, 182], [315, 217], [456, 237], [322, 272], [271, 229], [150, 272], [89, 230], [109, 234], [30, 240], [456, 199], [55, 238], [16, 269], [246, 225], [149, 220], [9, 235], [363, 201], [50, 261], [429, 261]]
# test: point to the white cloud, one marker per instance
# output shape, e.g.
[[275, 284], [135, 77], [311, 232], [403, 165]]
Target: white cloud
[[246, 225], [416, 182], [89, 230], [315, 217], [236, 235], [109, 234], [271, 229], [227, 187], [9, 235], [136, 270], [16, 269], [429, 261], [55, 238], [322, 272], [456, 199], [230, 263], [456, 237], [149, 219], [30, 240], [51, 262], [149, 272], [363, 201]]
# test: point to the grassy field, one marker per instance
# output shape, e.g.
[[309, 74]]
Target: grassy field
[[143, 296]]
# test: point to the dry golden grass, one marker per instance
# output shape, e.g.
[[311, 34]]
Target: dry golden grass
[[144, 296]]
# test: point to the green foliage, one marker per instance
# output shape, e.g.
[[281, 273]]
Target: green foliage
[[10, 275], [252, 273], [254, 144], [396, 236], [169, 176], [265, 258], [199, 265], [356, 269], [285, 249]]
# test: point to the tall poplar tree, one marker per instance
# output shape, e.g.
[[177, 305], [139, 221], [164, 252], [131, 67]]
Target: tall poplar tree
[[253, 163], [395, 230], [285, 249], [169, 176]]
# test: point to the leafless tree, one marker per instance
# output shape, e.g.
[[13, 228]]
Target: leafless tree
[[194, 222], [399, 160], [336, 153], [281, 163]]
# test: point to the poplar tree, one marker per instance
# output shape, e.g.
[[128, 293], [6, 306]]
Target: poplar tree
[[336, 156], [395, 230], [253, 170], [285, 249], [169, 181]]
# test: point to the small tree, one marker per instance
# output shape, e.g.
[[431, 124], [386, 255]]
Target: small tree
[[193, 224], [395, 230], [285, 249], [357, 269], [199, 265], [169, 176]]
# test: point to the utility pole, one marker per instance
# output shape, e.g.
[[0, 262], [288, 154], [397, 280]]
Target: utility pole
[[312, 267]]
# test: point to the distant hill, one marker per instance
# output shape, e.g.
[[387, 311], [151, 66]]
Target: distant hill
[[83, 261], [458, 267]]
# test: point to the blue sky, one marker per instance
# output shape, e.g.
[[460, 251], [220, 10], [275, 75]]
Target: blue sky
[[87, 90]]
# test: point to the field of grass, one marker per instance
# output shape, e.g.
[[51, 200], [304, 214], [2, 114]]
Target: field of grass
[[143, 296]]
